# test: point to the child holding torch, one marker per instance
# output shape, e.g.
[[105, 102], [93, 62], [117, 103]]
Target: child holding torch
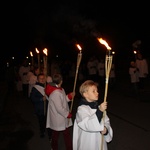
[[89, 125]]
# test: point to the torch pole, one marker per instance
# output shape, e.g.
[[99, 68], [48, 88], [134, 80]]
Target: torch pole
[[32, 61], [76, 75], [39, 60], [108, 64], [79, 57], [45, 73]]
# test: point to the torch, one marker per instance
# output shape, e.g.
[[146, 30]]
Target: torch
[[108, 63], [45, 71], [38, 54], [45, 60], [31, 54], [79, 57]]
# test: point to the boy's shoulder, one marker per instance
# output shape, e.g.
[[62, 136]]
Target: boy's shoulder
[[50, 87]]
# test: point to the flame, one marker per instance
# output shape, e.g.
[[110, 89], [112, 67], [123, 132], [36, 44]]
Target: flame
[[45, 51], [104, 43], [79, 47], [113, 52], [37, 50], [135, 52], [31, 54]]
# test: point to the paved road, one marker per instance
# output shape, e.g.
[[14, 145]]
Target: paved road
[[129, 117]]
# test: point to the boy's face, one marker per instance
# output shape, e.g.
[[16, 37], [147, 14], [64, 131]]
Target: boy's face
[[41, 79], [91, 94], [37, 71]]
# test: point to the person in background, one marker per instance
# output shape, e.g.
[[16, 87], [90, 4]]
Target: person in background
[[10, 77], [91, 131], [32, 77], [31, 72], [134, 78], [38, 97], [112, 76], [101, 72], [142, 67], [23, 71], [58, 114], [92, 68], [49, 130]]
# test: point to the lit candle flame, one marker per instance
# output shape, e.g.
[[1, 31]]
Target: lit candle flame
[[37, 50], [104, 43], [79, 47], [31, 54], [45, 51]]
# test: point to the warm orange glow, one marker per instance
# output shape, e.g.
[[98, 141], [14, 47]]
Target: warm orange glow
[[37, 50], [79, 47], [104, 43], [45, 51], [31, 54]]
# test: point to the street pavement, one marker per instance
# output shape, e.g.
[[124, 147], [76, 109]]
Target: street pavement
[[129, 117]]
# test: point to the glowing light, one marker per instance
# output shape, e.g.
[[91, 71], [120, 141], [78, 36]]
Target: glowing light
[[79, 47], [45, 51], [104, 43]]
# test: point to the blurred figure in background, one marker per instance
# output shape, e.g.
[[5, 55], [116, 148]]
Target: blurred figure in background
[[23, 71], [38, 97], [112, 76], [134, 78], [92, 68], [101, 72], [32, 79], [142, 66]]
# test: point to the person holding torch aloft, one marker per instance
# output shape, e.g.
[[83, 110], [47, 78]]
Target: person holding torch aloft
[[89, 126]]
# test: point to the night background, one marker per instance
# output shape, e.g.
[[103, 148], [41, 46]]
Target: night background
[[59, 25]]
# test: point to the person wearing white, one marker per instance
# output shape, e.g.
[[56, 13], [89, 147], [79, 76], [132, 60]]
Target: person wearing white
[[92, 68], [112, 76], [142, 66], [134, 77], [33, 79], [23, 71], [101, 71], [92, 129], [133, 71], [58, 114]]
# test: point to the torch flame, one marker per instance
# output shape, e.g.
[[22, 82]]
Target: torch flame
[[113, 52], [37, 50], [104, 43], [79, 47], [45, 51], [31, 54], [135, 52]]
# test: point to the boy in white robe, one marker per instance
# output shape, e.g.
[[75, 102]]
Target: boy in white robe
[[58, 112], [91, 130]]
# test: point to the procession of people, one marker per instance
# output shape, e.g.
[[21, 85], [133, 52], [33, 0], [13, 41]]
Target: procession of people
[[55, 117]]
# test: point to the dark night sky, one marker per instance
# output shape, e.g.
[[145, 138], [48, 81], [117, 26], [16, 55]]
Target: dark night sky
[[58, 25]]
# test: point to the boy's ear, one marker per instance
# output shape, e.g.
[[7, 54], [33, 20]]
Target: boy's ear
[[85, 94]]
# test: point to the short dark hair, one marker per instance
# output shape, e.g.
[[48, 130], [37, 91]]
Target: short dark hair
[[57, 78], [41, 74]]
